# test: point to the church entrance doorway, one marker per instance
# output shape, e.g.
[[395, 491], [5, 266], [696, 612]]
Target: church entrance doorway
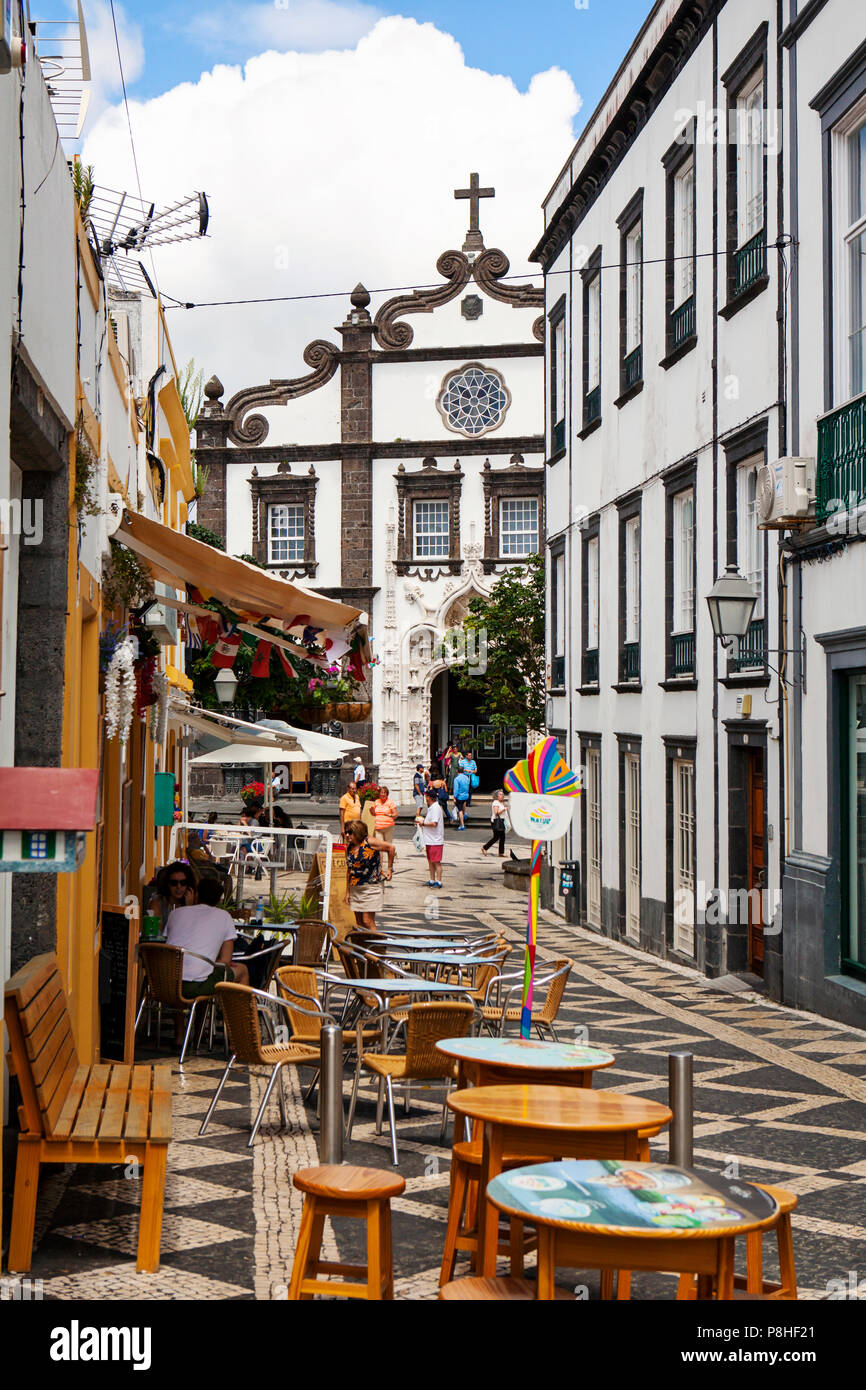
[[456, 718]]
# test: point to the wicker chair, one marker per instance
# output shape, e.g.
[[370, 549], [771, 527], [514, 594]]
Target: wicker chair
[[312, 943], [426, 1025], [241, 1012], [543, 1019], [299, 982], [163, 973]]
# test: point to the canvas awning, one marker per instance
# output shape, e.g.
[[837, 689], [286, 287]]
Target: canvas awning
[[298, 745], [178, 559]]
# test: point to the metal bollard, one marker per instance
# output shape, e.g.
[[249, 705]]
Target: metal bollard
[[331, 1094], [680, 1100]]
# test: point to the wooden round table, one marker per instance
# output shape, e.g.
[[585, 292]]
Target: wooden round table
[[616, 1214], [491, 1061], [552, 1122]]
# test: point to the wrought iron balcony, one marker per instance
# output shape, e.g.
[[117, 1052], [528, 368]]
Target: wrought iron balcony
[[557, 673], [632, 368], [750, 262], [682, 323], [631, 661], [683, 644], [590, 666], [592, 406], [750, 652], [841, 481], [557, 439]]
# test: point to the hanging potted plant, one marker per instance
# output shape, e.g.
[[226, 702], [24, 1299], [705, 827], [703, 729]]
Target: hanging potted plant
[[329, 699], [253, 794]]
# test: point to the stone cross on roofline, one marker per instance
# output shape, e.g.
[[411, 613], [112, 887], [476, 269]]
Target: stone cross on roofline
[[474, 241]]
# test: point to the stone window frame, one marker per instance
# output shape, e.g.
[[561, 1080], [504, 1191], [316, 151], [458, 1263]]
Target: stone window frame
[[555, 318], [628, 219], [680, 479], [629, 508], [751, 442], [428, 484], [284, 489], [586, 741], [628, 744], [682, 149], [458, 371], [514, 482], [557, 599], [589, 531], [589, 274], [679, 749]]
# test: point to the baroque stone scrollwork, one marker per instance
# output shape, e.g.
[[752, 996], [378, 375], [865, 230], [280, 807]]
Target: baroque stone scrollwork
[[490, 268], [455, 267], [323, 357]]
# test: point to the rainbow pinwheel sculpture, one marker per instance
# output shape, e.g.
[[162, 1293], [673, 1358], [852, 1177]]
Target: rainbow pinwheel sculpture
[[542, 790]]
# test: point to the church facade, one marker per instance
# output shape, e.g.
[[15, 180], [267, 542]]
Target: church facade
[[403, 473]]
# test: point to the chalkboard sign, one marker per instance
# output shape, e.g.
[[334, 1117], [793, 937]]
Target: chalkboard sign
[[118, 985]]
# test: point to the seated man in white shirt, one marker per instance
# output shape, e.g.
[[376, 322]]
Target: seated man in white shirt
[[209, 931]]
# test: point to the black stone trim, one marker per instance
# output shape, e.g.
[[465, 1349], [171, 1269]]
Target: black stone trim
[[745, 443], [835, 97], [590, 428], [675, 683], [455, 354], [394, 448], [588, 689], [555, 458], [757, 677], [429, 484], [627, 743], [800, 24], [628, 687], [684, 748], [744, 66], [586, 741], [516, 481], [629, 394], [629, 507], [39, 431], [291, 490], [590, 271], [678, 479], [739, 301], [671, 357], [750, 56], [631, 214], [589, 531], [675, 156]]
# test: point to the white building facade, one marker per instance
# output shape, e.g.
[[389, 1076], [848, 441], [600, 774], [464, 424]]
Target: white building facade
[[666, 265], [402, 473]]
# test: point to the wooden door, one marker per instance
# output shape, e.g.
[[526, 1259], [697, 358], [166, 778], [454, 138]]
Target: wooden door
[[757, 865]]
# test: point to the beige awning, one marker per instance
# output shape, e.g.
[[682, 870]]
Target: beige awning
[[174, 557]]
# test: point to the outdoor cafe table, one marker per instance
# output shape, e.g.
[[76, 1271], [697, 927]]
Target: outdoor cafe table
[[552, 1122], [611, 1214], [493, 1061], [438, 960]]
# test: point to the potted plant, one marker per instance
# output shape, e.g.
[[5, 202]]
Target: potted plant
[[253, 794], [281, 907]]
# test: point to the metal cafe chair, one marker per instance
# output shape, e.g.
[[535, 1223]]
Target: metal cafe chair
[[506, 987], [163, 971]]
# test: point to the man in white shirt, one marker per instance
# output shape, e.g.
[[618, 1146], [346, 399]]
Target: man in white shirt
[[433, 833], [209, 931], [360, 773]]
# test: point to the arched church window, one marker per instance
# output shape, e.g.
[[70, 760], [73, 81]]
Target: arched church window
[[474, 400]]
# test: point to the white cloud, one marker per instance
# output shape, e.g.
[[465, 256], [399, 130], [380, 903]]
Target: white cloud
[[325, 169], [105, 81], [301, 25]]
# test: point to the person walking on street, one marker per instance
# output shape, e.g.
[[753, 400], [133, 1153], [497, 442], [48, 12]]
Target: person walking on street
[[384, 815], [360, 772], [350, 807], [365, 889], [497, 824], [468, 765], [461, 797], [433, 833], [419, 787]]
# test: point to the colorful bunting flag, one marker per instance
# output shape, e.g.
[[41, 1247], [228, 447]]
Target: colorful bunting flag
[[262, 660]]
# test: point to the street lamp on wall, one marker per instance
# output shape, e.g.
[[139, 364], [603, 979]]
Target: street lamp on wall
[[225, 685], [731, 602]]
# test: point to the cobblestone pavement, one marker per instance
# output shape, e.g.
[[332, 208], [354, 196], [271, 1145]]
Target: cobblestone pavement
[[779, 1093]]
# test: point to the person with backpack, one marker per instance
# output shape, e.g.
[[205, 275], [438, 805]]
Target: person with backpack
[[468, 765], [461, 797]]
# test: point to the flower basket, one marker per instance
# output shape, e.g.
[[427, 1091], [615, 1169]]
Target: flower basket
[[252, 793]]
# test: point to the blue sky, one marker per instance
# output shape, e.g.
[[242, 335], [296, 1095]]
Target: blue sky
[[502, 36]]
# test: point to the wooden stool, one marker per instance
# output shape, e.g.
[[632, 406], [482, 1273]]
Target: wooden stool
[[474, 1290], [342, 1190], [753, 1285], [460, 1235]]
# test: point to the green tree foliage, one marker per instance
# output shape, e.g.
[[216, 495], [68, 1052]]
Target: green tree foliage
[[204, 533], [512, 690]]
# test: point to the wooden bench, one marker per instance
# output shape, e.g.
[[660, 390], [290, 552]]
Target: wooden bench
[[70, 1113]]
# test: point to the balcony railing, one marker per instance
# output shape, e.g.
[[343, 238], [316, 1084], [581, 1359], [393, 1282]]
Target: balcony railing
[[750, 652], [683, 322], [557, 438], [841, 481], [632, 368], [557, 673], [750, 262], [591, 406], [590, 666], [683, 662], [631, 661]]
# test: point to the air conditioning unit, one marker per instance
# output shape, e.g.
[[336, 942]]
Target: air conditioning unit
[[161, 620], [785, 492]]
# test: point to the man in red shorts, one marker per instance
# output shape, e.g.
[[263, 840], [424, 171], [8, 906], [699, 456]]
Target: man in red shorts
[[433, 832]]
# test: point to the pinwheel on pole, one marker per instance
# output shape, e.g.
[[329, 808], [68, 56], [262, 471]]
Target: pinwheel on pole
[[543, 792]]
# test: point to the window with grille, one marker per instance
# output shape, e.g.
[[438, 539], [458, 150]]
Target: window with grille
[[684, 232], [684, 562], [558, 604], [432, 536], [750, 160], [285, 534], [474, 400], [632, 846], [751, 543], [593, 836], [518, 525], [849, 270], [592, 593], [557, 373]]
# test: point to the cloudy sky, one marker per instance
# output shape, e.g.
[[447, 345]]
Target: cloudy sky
[[329, 136]]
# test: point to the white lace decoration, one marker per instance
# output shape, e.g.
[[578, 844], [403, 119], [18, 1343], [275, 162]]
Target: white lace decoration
[[120, 690]]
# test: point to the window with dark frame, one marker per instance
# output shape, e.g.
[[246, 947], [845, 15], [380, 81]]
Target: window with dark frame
[[630, 224], [591, 275], [680, 246], [558, 615], [629, 592], [590, 601], [745, 452], [428, 518], [558, 373], [513, 512], [746, 85], [680, 577], [284, 520]]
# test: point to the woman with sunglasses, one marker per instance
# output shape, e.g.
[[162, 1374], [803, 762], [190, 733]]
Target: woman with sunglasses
[[174, 887]]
